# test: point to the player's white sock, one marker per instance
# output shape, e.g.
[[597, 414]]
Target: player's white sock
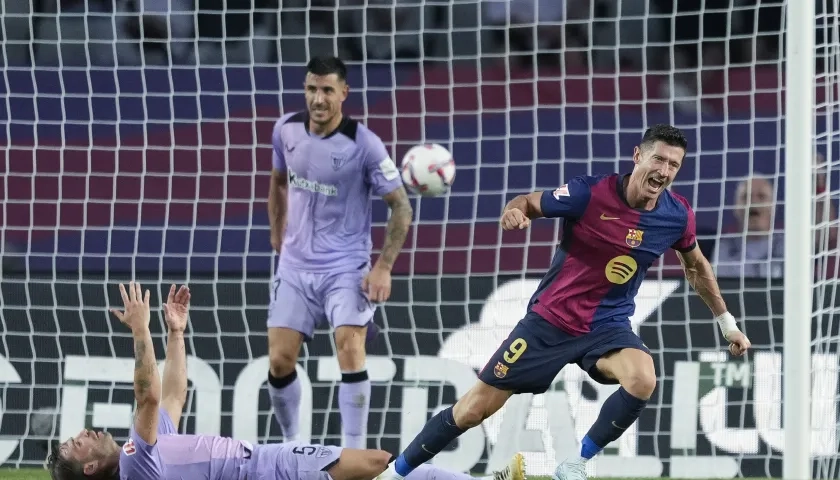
[[391, 473]]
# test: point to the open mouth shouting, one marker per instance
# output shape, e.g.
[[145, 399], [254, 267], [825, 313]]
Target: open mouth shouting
[[655, 185]]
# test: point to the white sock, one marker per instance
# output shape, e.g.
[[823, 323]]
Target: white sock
[[392, 472]]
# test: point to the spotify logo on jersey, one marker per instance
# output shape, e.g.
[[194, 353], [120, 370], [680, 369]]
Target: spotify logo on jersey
[[621, 269]]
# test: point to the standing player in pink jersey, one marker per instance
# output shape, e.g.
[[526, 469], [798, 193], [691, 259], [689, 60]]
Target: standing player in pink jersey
[[155, 450], [615, 227], [327, 167]]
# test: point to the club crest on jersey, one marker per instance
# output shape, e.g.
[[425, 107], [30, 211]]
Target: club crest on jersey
[[500, 370], [129, 448], [634, 238], [338, 160], [563, 191]]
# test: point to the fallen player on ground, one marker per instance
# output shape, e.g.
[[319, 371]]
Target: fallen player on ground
[[155, 450]]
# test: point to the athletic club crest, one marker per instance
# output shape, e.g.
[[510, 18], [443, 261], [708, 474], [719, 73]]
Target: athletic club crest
[[338, 160], [500, 370], [129, 447], [634, 238]]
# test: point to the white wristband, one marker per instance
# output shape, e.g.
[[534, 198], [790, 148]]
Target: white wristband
[[727, 324]]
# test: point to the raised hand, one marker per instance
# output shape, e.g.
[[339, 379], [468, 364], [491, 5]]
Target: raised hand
[[514, 219], [738, 343], [136, 304], [176, 308]]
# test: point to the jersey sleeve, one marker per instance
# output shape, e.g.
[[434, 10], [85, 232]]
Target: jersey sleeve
[[688, 240], [138, 459], [381, 173], [278, 161], [567, 201], [165, 424]]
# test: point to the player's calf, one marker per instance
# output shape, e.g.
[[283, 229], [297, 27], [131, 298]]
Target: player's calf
[[473, 408], [354, 390], [356, 464], [634, 371], [515, 470], [284, 387]]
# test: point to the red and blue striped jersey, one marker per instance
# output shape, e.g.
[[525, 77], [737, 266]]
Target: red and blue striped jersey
[[607, 247]]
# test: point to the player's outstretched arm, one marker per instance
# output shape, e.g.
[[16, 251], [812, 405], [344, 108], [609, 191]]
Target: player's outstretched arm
[[277, 207], [146, 377], [519, 212], [701, 277], [174, 396]]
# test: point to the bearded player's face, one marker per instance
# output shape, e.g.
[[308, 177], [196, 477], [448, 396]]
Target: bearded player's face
[[324, 96], [656, 167]]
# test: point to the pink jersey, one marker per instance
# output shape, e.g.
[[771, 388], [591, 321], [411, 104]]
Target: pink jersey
[[332, 181], [203, 457]]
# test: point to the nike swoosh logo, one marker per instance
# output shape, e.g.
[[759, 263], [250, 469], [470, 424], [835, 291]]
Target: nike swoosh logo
[[613, 424], [423, 446], [605, 217]]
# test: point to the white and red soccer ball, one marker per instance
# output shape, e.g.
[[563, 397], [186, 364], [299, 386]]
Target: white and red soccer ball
[[428, 170]]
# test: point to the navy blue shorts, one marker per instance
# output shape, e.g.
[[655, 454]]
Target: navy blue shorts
[[536, 351]]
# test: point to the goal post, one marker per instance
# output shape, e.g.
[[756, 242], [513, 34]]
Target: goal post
[[800, 111]]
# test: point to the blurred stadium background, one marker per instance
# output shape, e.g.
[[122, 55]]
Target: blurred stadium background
[[136, 146]]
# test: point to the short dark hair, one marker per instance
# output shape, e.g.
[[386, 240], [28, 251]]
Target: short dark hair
[[62, 468], [667, 134], [326, 66]]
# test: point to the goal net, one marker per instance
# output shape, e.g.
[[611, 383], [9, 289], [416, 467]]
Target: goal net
[[149, 160]]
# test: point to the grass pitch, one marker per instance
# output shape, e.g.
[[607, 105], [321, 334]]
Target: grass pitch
[[25, 474], [40, 474]]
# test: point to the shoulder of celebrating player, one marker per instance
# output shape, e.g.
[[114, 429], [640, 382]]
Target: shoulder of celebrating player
[[141, 459], [278, 142], [569, 200], [381, 173], [688, 241]]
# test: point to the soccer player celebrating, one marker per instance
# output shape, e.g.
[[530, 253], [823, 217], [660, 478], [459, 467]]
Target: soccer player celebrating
[[155, 450], [615, 227], [326, 168]]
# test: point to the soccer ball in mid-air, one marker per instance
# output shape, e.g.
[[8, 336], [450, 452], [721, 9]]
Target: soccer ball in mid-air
[[428, 170]]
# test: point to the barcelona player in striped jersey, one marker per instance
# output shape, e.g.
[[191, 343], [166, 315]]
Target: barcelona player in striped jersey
[[615, 227]]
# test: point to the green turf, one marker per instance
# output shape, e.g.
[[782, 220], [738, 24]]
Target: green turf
[[40, 474], [24, 474]]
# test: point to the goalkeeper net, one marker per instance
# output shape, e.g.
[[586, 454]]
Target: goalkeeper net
[[136, 146]]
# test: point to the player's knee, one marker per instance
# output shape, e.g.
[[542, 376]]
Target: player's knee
[[283, 348], [478, 404], [350, 348], [281, 362], [469, 416], [640, 383]]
